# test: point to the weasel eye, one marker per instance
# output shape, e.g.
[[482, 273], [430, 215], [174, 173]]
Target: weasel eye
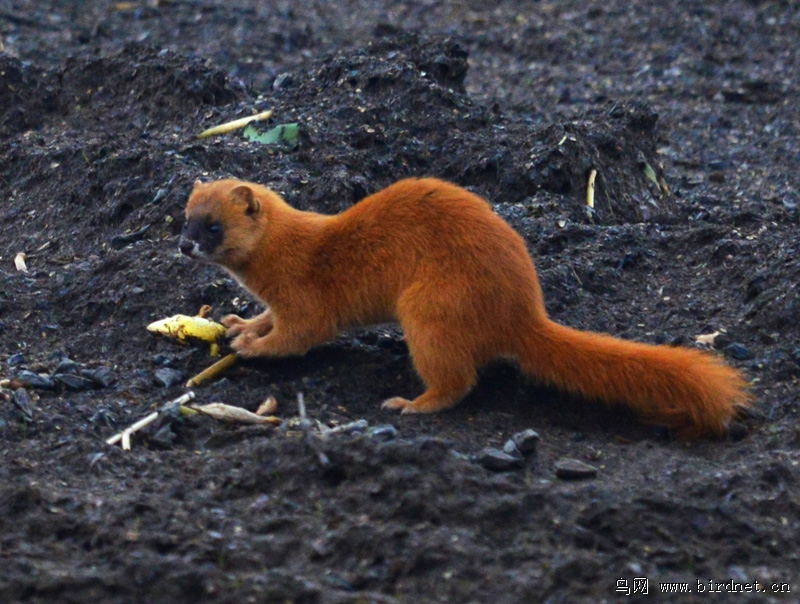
[[213, 228]]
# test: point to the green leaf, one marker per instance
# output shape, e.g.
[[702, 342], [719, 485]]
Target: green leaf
[[283, 133], [651, 174]]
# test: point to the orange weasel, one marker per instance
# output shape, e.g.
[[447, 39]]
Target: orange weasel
[[459, 280]]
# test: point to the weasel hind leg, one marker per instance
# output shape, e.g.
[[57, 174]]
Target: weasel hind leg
[[445, 389], [429, 401], [448, 370]]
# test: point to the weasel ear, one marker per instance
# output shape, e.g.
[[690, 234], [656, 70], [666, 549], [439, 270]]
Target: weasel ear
[[198, 183], [244, 194]]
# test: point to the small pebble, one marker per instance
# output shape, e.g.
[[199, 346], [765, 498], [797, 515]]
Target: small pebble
[[73, 382], [168, 377], [23, 401], [16, 359], [160, 194], [94, 458], [383, 433], [526, 441], [498, 461], [737, 351], [165, 437], [67, 366], [103, 376], [349, 428], [36, 380], [574, 469], [510, 448], [163, 360], [284, 80]]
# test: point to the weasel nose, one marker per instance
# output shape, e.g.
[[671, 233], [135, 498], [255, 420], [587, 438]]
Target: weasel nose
[[186, 246]]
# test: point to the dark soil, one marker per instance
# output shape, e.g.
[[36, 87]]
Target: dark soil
[[100, 105]]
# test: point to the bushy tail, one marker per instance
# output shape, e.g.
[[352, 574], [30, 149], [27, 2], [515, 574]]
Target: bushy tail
[[690, 392]]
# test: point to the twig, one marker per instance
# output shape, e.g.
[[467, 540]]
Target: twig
[[305, 423], [308, 437], [125, 435], [590, 193], [213, 371], [235, 124]]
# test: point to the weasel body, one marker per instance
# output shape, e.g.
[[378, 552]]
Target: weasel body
[[462, 285]]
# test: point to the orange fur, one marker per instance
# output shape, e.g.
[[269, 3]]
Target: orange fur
[[459, 280]]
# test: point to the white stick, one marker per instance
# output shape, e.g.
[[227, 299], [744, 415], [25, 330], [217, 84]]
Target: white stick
[[125, 435]]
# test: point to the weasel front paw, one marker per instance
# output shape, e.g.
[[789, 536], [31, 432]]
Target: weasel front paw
[[234, 325], [245, 344]]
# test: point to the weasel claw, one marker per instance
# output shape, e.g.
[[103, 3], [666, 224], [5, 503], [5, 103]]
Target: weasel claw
[[398, 402]]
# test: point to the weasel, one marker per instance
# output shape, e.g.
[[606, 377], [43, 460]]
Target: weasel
[[458, 279]]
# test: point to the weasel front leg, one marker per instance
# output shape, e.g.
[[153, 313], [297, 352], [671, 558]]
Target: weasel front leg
[[259, 325], [283, 339]]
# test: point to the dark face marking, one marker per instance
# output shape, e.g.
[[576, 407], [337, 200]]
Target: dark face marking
[[201, 236]]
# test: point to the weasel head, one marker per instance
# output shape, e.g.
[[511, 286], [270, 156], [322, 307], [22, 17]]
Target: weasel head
[[225, 222]]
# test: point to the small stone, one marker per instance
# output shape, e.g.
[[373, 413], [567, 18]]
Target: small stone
[[510, 448], [321, 548], [67, 366], [283, 80], [168, 377], [738, 351], [36, 380], [382, 433], [498, 461], [160, 194], [15, 360], [355, 427], [164, 438], [23, 401], [102, 376], [526, 441], [94, 459], [73, 382], [163, 360], [574, 469]]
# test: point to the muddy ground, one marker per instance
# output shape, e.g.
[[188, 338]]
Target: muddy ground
[[100, 105]]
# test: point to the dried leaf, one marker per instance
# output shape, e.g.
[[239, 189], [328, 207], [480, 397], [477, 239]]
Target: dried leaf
[[19, 262], [230, 413]]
